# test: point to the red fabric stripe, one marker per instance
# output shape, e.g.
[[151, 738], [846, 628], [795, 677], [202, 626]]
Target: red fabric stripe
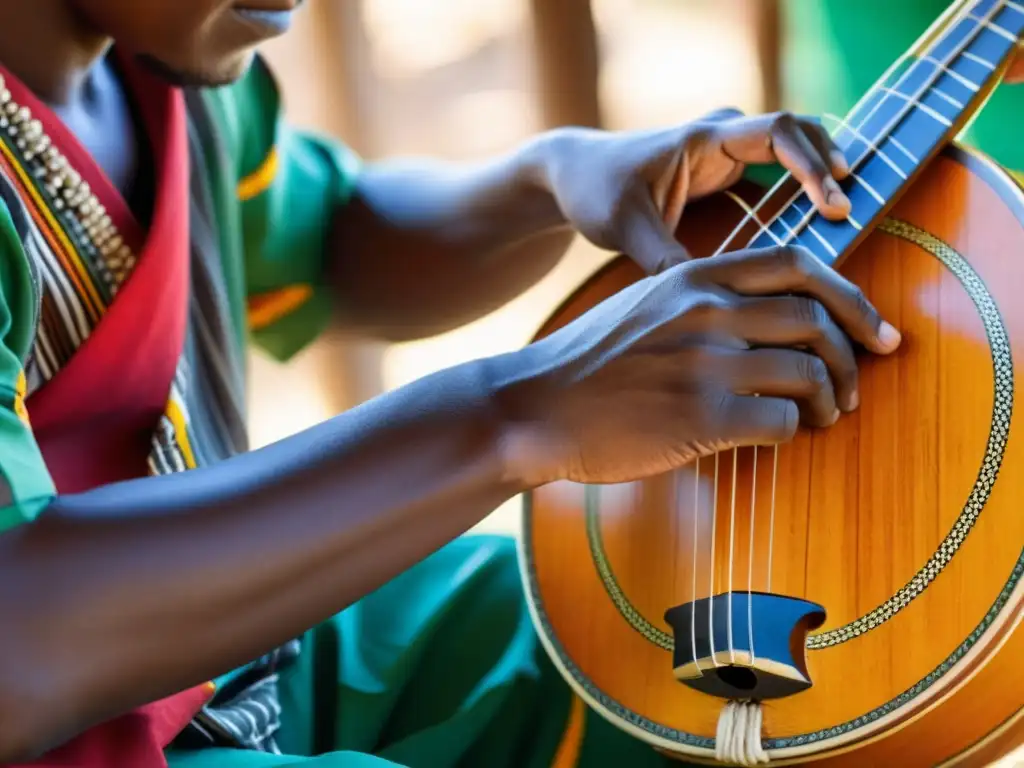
[[95, 419]]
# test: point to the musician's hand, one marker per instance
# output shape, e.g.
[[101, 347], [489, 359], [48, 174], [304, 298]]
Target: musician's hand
[[626, 191], [666, 370], [1015, 74]]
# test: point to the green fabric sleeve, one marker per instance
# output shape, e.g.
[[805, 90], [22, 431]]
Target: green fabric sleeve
[[290, 182], [25, 484]]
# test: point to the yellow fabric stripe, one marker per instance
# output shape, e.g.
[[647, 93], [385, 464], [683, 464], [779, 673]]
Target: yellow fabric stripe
[[1018, 176], [58, 231], [267, 308], [20, 388], [568, 753], [260, 179], [177, 417]]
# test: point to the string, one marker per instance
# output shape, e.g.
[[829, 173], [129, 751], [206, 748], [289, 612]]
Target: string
[[750, 560], [711, 598], [693, 601], [771, 520], [751, 213], [732, 538], [914, 100], [732, 518]]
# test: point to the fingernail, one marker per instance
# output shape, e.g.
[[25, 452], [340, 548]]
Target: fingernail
[[840, 162], [835, 416], [888, 337], [834, 195], [854, 400]]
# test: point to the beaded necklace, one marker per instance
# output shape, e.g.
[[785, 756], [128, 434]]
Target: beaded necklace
[[80, 212]]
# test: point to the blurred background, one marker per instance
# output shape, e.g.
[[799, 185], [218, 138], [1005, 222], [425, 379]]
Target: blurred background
[[466, 78]]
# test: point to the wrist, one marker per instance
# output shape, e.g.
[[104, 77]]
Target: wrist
[[528, 447]]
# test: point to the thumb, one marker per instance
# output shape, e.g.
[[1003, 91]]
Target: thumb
[[649, 241]]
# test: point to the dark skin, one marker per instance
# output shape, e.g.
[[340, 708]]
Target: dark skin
[[282, 538]]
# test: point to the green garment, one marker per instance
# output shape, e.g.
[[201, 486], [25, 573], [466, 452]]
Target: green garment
[[437, 669], [835, 50], [441, 667]]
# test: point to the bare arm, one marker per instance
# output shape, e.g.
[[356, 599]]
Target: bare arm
[[164, 583], [427, 246]]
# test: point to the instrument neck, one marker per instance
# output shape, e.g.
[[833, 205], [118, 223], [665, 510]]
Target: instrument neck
[[914, 110]]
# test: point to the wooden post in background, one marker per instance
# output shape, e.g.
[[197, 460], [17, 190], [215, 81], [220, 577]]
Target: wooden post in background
[[322, 64], [567, 62], [767, 25]]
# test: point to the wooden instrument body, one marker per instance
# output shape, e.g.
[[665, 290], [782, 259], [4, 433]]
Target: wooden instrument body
[[912, 505]]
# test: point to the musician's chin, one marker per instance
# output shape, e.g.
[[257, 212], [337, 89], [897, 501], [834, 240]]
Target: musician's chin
[[227, 71]]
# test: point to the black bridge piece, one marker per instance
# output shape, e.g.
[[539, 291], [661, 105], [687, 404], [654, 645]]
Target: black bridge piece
[[714, 658]]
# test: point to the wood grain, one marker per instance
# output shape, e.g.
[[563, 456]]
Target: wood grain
[[858, 509]]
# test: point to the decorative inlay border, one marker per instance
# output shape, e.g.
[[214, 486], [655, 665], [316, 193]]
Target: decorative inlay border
[[988, 473]]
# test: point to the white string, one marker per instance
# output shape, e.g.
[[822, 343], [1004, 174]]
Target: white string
[[750, 561], [732, 520], [840, 123], [771, 519], [738, 736], [943, 66], [693, 602], [732, 549], [971, 86], [1005, 33], [939, 118], [711, 596], [751, 212]]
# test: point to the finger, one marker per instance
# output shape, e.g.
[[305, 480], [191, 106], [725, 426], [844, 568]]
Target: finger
[[1015, 74], [824, 143], [780, 137], [789, 374], [759, 420], [649, 241], [791, 321], [792, 269]]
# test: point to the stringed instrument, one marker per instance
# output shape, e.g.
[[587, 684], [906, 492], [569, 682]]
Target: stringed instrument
[[851, 598]]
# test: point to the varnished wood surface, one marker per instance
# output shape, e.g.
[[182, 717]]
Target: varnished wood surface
[[859, 508]]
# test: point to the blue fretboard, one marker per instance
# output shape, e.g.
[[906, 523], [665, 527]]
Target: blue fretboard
[[901, 123]]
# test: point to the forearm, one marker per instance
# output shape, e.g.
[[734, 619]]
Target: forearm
[[132, 592], [427, 246]]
